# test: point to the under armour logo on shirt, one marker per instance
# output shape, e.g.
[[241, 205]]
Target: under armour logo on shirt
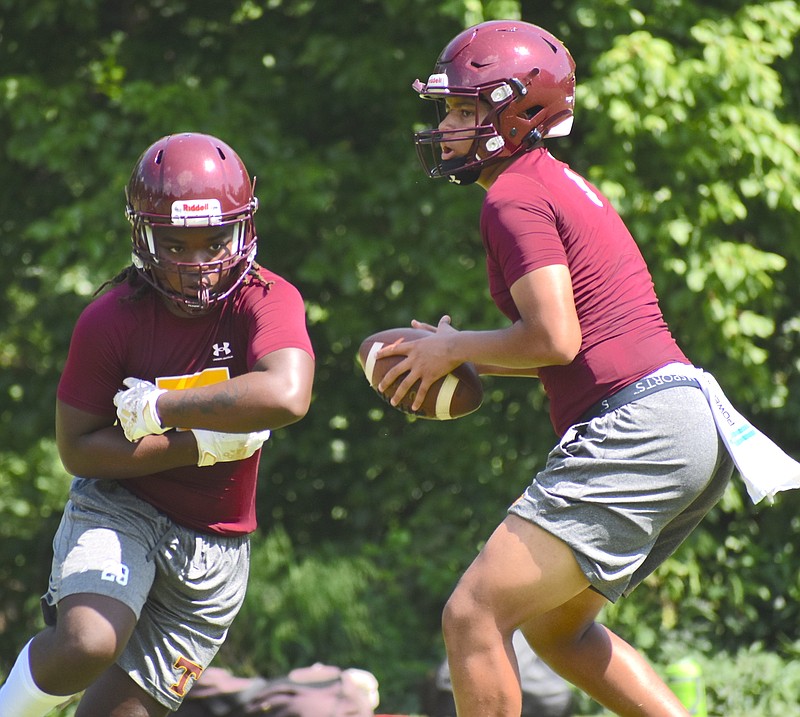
[[222, 350]]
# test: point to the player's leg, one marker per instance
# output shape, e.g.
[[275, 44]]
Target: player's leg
[[115, 694], [102, 573], [21, 696], [678, 473], [64, 659], [525, 576], [91, 632], [523, 571], [623, 491], [598, 661]]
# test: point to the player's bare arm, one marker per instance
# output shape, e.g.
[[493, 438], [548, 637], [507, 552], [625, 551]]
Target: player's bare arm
[[276, 393], [91, 446], [547, 334], [487, 369]]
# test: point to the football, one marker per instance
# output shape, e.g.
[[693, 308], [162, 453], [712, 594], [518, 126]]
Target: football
[[455, 395]]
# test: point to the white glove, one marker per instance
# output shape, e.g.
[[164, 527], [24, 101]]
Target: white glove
[[136, 409], [214, 446]]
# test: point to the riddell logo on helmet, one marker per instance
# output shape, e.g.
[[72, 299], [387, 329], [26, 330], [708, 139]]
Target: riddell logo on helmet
[[194, 208], [196, 212], [438, 81]]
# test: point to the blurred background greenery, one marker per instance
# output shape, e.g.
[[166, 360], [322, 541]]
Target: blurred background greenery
[[686, 118]]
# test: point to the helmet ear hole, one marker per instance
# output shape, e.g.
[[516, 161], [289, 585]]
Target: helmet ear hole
[[531, 112]]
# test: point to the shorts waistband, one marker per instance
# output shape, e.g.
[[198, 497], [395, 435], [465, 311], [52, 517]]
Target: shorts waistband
[[634, 391]]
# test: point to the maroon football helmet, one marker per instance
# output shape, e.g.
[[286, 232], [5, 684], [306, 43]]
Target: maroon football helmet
[[523, 73], [191, 180]]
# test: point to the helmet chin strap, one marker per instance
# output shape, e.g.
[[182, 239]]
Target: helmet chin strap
[[454, 170]]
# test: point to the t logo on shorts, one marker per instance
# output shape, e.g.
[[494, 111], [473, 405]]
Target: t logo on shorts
[[189, 670]]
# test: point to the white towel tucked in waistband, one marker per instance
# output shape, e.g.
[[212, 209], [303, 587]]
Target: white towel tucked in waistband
[[763, 466]]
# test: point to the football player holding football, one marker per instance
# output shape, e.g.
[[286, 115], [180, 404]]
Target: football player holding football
[[636, 466]]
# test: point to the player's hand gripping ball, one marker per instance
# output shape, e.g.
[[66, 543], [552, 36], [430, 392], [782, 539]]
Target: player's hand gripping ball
[[452, 396]]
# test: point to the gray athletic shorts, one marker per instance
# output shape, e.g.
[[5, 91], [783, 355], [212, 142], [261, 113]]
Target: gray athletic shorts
[[185, 587], [625, 489]]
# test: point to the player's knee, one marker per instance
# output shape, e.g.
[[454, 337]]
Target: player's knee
[[461, 614], [91, 650]]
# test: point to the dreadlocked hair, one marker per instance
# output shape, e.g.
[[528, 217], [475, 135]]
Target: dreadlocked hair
[[130, 274], [253, 276]]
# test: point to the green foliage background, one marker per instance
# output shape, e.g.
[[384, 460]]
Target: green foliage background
[[686, 118]]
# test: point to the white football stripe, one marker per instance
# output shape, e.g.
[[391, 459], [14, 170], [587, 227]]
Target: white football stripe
[[445, 397], [369, 366]]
